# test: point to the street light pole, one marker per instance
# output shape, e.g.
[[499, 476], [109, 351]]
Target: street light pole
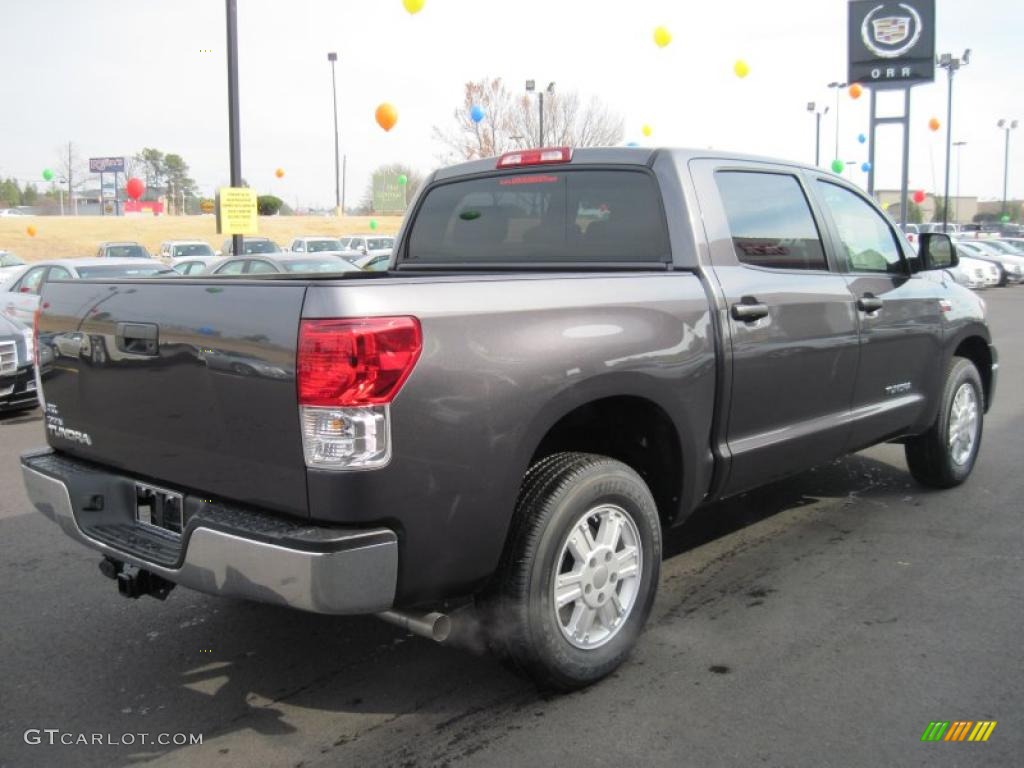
[[234, 134], [333, 57], [530, 88], [951, 64], [838, 87], [812, 107], [956, 213], [1007, 127]]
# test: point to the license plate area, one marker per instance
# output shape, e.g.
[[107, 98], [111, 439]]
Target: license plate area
[[159, 508]]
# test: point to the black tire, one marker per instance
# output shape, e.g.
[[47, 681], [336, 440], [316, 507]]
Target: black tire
[[522, 624], [929, 456]]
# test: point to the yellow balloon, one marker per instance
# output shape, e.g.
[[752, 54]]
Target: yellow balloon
[[414, 6], [741, 68], [662, 37], [647, 130]]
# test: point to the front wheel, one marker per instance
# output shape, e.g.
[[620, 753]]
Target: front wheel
[[579, 573], [944, 455]]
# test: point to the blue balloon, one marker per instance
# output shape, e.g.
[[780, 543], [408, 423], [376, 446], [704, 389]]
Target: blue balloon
[[861, 138], [632, 144], [866, 167], [477, 113]]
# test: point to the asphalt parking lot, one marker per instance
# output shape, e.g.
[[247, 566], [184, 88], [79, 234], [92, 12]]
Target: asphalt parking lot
[[822, 621]]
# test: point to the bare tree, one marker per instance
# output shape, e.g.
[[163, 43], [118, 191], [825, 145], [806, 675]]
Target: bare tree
[[511, 122], [71, 168]]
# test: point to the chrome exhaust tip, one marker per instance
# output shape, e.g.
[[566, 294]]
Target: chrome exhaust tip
[[433, 626]]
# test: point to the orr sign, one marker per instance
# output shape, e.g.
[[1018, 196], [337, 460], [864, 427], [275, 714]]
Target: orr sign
[[891, 43]]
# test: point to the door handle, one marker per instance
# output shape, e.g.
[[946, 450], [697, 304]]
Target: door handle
[[749, 312], [138, 338], [868, 303]]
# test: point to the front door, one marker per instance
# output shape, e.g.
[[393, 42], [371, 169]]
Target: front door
[[789, 322], [899, 315]]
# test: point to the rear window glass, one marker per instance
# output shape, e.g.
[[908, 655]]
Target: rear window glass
[[126, 252], [542, 216], [260, 246], [120, 271], [193, 249], [313, 246], [317, 265], [770, 220]]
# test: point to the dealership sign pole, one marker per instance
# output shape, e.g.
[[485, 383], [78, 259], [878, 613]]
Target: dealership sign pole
[[891, 46], [102, 165], [234, 139]]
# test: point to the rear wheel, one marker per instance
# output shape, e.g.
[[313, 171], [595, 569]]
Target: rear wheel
[[580, 571], [944, 455]]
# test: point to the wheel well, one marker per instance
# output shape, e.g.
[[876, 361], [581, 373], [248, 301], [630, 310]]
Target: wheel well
[[632, 430], [975, 349]]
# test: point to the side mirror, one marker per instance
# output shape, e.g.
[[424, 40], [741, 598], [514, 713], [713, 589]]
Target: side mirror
[[937, 251]]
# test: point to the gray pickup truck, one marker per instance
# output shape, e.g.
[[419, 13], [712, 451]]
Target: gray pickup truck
[[570, 353]]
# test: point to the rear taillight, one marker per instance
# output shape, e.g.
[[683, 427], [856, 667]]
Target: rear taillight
[[348, 371], [526, 157]]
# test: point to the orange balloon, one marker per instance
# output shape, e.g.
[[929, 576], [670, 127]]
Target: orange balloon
[[387, 116], [856, 91], [30, 230], [934, 124], [279, 173]]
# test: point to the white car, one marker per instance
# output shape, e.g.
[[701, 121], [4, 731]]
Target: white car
[[193, 265], [319, 244], [173, 251], [9, 265], [1011, 268], [369, 245], [975, 273], [22, 297]]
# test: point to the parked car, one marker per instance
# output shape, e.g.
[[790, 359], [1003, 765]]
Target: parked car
[[975, 273], [9, 265], [1011, 268], [12, 212], [17, 367], [251, 244], [371, 245], [172, 251], [281, 262], [313, 244], [126, 250], [911, 231], [511, 418], [1004, 246], [21, 298], [949, 228]]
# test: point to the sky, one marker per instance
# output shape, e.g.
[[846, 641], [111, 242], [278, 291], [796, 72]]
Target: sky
[[114, 76]]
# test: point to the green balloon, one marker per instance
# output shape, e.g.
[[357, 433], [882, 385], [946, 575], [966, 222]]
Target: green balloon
[[1005, 218], [403, 179], [47, 174], [373, 223], [838, 166]]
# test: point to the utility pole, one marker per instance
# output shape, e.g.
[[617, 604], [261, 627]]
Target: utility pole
[[234, 134], [1007, 127], [839, 87], [812, 107], [338, 207]]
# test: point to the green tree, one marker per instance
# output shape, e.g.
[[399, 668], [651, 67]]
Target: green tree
[[268, 205], [940, 208], [413, 181], [154, 172], [29, 194], [10, 193]]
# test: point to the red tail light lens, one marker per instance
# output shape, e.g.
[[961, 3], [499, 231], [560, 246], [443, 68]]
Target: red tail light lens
[[356, 361]]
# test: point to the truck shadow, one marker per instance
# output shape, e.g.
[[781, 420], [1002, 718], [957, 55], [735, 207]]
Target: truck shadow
[[266, 662]]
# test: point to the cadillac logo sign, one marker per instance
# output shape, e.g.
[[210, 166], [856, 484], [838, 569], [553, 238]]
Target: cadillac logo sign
[[891, 42], [891, 36]]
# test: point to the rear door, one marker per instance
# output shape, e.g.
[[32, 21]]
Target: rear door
[[790, 323], [898, 315], [21, 301]]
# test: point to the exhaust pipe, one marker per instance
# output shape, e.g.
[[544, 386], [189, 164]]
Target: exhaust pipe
[[433, 626]]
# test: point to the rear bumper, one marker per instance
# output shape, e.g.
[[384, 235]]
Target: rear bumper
[[222, 550]]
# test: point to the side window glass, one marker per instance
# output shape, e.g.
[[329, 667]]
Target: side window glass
[[232, 268], [58, 273], [260, 268], [869, 243], [770, 220], [32, 281]]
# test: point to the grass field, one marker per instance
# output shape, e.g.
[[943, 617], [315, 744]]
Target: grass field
[[66, 236]]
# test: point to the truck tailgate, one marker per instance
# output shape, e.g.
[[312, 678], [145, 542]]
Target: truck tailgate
[[185, 383]]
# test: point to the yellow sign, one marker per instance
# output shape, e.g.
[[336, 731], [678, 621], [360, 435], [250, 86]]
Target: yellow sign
[[236, 211]]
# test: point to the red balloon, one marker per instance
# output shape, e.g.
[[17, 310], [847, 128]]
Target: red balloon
[[919, 197], [135, 188]]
